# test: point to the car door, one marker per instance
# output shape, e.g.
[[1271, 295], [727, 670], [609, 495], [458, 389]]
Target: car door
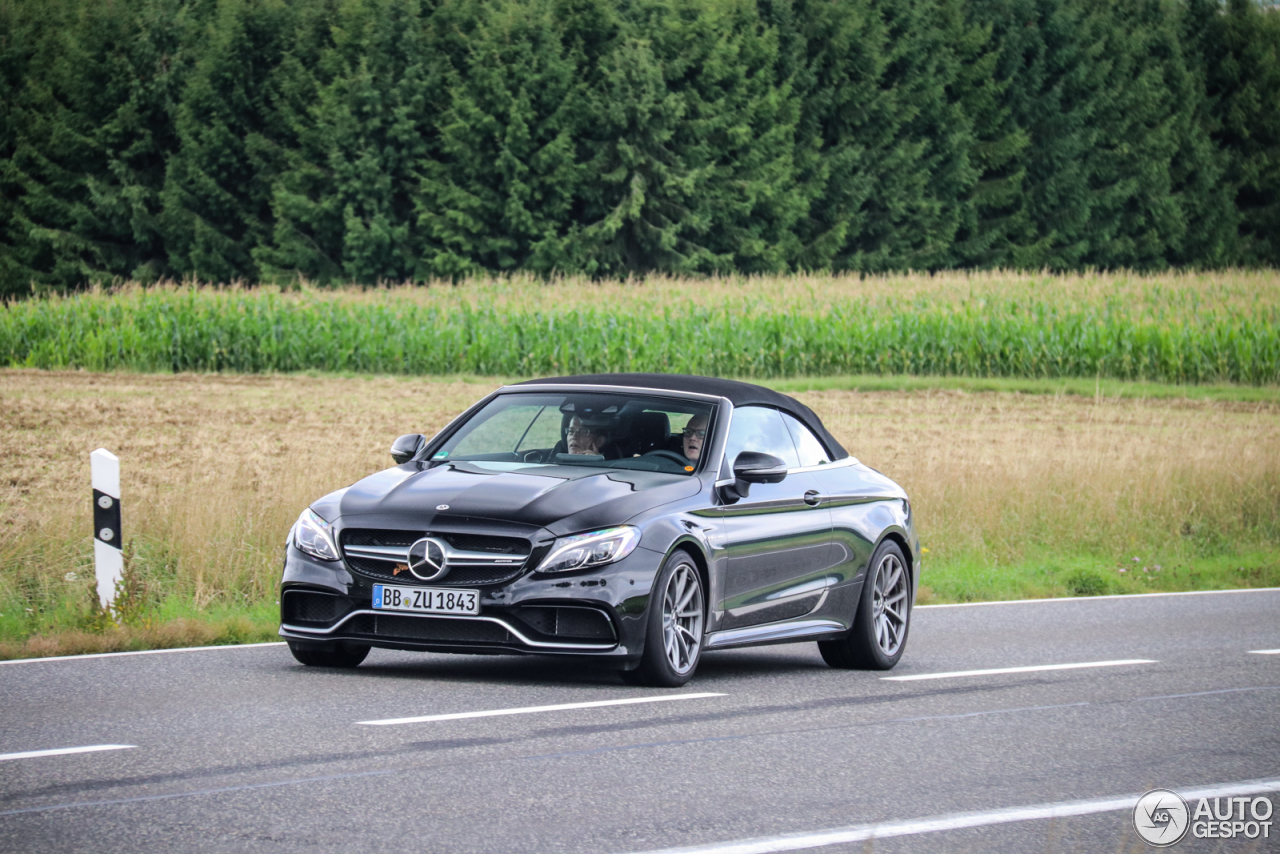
[[859, 514], [775, 544]]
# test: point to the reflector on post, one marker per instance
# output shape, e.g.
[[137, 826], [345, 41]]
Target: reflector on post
[[107, 543]]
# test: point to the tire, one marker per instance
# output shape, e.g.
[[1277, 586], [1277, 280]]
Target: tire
[[339, 655], [676, 620], [880, 627]]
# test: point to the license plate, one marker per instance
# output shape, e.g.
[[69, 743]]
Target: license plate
[[426, 600]]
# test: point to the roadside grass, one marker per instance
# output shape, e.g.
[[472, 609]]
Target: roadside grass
[[78, 628], [1052, 576], [1015, 494]]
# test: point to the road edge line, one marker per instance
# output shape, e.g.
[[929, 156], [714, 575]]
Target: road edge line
[[529, 710], [139, 652], [955, 821], [1098, 598]]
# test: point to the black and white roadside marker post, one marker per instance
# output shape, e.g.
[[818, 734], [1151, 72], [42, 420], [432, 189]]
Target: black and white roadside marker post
[[107, 558]]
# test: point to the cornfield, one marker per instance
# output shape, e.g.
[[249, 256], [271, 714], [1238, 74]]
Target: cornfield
[[1172, 335]]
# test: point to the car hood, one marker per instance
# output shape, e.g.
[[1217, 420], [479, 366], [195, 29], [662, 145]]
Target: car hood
[[562, 499]]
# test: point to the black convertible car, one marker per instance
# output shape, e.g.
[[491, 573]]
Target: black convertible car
[[638, 519]]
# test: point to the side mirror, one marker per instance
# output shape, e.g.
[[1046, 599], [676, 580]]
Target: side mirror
[[407, 447], [754, 467]]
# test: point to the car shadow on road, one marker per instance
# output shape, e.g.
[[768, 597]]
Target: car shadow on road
[[551, 670]]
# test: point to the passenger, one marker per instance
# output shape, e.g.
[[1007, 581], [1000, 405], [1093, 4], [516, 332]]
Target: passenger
[[695, 433], [585, 438]]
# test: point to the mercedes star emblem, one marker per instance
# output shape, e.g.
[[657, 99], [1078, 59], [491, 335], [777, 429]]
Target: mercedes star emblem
[[427, 559]]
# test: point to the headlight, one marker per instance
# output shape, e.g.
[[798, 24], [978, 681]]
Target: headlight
[[594, 549], [311, 535]]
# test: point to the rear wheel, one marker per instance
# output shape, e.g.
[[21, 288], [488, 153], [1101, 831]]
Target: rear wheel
[[879, 633], [335, 655], [673, 642]]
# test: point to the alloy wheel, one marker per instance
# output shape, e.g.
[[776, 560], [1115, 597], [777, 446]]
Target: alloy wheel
[[889, 604], [682, 618]]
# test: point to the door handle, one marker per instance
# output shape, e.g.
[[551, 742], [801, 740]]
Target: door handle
[[813, 498]]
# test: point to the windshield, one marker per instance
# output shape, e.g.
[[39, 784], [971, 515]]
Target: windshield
[[619, 431]]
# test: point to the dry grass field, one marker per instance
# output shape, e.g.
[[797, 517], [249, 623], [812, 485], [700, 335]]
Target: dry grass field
[[1015, 494]]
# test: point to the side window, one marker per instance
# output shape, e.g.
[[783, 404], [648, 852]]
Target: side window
[[810, 449], [756, 428], [544, 432], [498, 433]]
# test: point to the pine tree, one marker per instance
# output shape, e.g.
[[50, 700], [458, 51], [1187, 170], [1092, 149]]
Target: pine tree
[[1050, 57], [635, 209], [832, 54], [1142, 119], [1239, 43], [86, 140], [921, 169], [24, 30], [739, 132], [891, 176], [355, 92], [995, 222], [499, 191], [217, 189]]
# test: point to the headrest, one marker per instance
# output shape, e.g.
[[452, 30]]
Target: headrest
[[650, 425]]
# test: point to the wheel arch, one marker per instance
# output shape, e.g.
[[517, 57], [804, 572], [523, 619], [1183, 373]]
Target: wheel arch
[[696, 552], [899, 537]]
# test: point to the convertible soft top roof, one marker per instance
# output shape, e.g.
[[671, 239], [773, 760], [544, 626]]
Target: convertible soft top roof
[[738, 393]]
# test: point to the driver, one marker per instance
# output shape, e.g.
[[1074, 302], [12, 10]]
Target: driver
[[695, 433], [585, 437]]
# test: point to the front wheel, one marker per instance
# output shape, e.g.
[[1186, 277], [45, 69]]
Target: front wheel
[[879, 633], [337, 655], [673, 642]]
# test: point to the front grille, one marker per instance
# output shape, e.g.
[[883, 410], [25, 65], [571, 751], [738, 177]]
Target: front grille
[[370, 537], [308, 606], [473, 572], [460, 576], [567, 624], [462, 542], [427, 629], [484, 543]]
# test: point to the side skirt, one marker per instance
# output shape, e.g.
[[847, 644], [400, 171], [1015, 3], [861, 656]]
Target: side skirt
[[796, 630]]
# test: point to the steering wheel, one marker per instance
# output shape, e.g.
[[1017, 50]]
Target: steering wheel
[[681, 459]]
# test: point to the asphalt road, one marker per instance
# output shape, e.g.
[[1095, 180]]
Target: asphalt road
[[241, 749]]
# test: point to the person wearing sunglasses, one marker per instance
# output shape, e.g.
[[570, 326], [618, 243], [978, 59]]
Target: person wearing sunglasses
[[693, 437], [584, 437]]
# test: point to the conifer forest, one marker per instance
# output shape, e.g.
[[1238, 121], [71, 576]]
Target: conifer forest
[[367, 141]]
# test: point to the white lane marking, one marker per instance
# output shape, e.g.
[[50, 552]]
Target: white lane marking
[[1032, 669], [956, 821], [138, 652], [1264, 652], [1097, 598], [528, 710], [63, 751]]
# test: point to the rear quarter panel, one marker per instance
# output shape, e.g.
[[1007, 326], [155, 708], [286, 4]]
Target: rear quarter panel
[[866, 508]]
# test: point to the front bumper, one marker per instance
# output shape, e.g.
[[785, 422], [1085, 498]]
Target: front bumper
[[598, 613]]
